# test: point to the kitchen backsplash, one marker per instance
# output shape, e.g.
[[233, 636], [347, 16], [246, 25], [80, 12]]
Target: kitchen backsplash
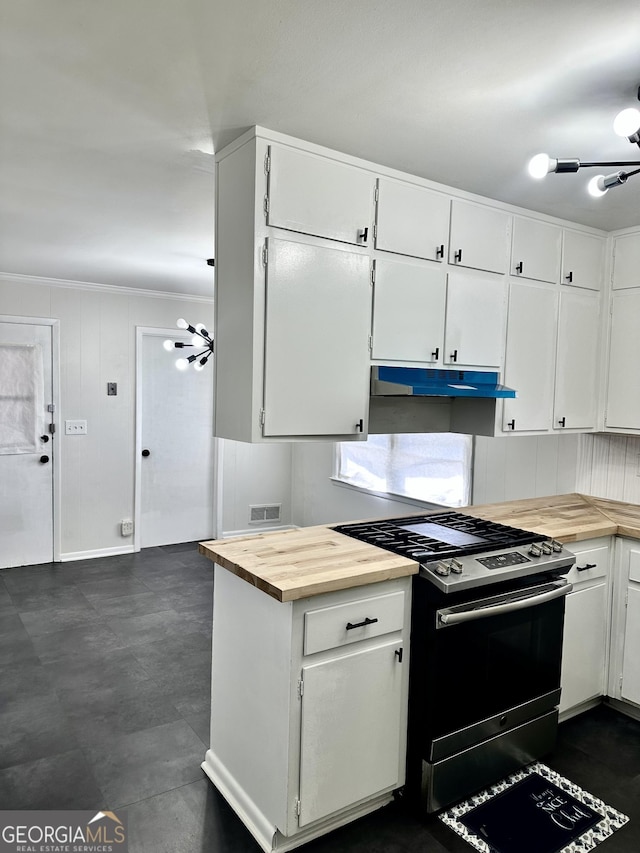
[[609, 466]]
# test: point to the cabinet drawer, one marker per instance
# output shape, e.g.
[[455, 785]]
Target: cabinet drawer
[[597, 558], [331, 627]]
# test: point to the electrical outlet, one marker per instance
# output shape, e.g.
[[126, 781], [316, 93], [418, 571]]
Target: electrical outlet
[[75, 427], [126, 527]]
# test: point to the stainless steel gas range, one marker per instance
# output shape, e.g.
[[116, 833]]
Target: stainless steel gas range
[[486, 648]]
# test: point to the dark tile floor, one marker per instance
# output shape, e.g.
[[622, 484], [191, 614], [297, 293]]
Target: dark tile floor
[[104, 698]]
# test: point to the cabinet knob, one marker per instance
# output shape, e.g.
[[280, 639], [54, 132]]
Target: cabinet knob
[[569, 277], [585, 567], [146, 453], [398, 654], [511, 424], [362, 235], [562, 422], [519, 267], [435, 355], [457, 256], [454, 355], [440, 252], [44, 459], [360, 425]]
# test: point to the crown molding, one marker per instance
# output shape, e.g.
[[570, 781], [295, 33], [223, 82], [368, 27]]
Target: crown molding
[[19, 278]]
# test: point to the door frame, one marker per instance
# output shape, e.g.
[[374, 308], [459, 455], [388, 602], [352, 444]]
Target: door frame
[[56, 420], [155, 331]]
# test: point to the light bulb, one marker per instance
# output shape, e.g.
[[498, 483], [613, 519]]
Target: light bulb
[[198, 366], [199, 327], [181, 324], [196, 341], [182, 363], [168, 345], [541, 165], [596, 186], [627, 122]]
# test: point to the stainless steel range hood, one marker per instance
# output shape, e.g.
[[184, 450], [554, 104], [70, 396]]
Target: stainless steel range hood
[[416, 399]]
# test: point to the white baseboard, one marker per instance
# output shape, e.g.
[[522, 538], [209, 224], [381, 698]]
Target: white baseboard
[[97, 552]]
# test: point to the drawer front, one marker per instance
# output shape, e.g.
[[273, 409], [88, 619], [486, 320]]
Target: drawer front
[[595, 558], [332, 627]]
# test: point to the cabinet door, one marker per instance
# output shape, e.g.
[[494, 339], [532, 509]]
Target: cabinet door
[[479, 237], [583, 260], [530, 356], [412, 220], [577, 360], [626, 261], [623, 396], [631, 658], [408, 312], [475, 320], [583, 647], [318, 315], [535, 251], [351, 730], [315, 195]]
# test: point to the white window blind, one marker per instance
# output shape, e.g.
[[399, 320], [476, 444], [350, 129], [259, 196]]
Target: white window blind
[[435, 467]]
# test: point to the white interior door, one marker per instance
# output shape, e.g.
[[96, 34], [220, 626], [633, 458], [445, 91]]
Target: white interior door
[[26, 445], [175, 409]]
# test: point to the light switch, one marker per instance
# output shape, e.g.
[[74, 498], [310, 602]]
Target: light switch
[[75, 427], [112, 389]]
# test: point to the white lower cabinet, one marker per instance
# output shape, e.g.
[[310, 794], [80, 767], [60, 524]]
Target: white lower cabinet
[[309, 705], [584, 650], [624, 681]]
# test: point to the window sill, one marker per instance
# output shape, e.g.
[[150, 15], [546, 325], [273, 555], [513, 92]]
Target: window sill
[[390, 496]]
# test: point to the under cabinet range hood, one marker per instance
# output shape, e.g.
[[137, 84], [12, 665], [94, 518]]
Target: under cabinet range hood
[[429, 382], [423, 400]]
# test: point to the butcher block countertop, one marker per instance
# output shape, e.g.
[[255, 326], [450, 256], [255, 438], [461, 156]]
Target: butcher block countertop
[[294, 564]]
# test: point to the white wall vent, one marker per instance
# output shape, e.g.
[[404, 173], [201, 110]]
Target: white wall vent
[[264, 513]]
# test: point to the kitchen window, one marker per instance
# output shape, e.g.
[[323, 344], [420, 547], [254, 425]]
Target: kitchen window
[[433, 468]]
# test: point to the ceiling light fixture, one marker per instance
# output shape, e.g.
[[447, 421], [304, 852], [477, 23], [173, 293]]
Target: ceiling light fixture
[[625, 124], [201, 340]]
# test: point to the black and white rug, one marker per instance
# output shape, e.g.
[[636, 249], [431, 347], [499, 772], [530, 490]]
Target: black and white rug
[[534, 811]]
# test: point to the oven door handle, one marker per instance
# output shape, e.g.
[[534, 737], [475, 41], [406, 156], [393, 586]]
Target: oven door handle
[[448, 617]]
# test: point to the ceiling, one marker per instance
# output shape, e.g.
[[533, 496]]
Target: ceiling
[[110, 113]]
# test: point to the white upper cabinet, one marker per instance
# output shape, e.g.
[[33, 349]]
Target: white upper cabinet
[[475, 321], [408, 311], [535, 250], [530, 356], [479, 237], [318, 315], [583, 260], [576, 394], [626, 261], [315, 195], [412, 220], [623, 398]]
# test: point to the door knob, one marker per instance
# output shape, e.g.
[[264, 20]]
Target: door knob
[[44, 438], [44, 459], [146, 452]]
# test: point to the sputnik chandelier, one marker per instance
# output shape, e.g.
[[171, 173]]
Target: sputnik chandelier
[[201, 340], [625, 124]]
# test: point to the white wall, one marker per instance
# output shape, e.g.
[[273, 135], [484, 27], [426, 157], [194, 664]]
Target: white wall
[[97, 345], [609, 467], [253, 474], [504, 469]]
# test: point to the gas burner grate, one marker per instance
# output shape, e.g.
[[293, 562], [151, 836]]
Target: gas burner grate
[[459, 535]]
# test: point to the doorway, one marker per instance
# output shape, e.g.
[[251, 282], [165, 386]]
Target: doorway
[[29, 457], [174, 445]]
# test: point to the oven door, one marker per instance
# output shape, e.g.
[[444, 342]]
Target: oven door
[[493, 664]]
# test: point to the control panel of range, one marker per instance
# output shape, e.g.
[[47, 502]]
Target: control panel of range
[[503, 560]]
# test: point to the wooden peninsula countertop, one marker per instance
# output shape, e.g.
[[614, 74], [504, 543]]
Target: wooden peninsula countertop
[[294, 564]]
